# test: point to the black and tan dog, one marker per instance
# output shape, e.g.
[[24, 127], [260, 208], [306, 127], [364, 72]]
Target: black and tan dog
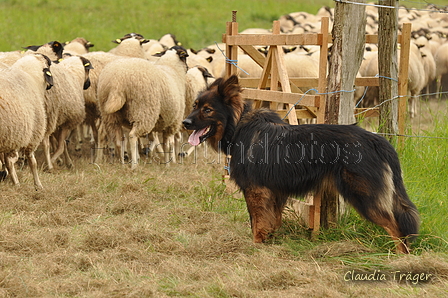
[[271, 160]]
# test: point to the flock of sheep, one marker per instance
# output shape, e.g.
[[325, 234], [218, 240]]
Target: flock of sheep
[[49, 91], [144, 88]]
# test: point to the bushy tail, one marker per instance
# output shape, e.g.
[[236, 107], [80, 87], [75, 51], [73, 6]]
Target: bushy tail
[[113, 103], [405, 211], [408, 218]]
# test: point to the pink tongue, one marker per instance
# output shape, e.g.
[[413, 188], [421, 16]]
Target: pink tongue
[[194, 137]]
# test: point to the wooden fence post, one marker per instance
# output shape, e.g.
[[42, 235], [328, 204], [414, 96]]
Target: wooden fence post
[[345, 60], [388, 67]]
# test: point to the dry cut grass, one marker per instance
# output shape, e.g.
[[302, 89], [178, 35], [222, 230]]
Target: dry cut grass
[[165, 231], [104, 231]]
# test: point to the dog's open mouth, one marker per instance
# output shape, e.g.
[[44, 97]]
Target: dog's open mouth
[[199, 136]]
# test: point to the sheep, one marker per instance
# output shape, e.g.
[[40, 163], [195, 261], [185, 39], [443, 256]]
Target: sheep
[[99, 59], [9, 58], [22, 111], [130, 45], [169, 41], [77, 46], [416, 78], [64, 104], [247, 67], [52, 50], [194, 60], [441, 59], [144, 97]]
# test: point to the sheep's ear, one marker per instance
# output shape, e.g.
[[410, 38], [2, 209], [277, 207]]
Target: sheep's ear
[[48, 78], [142, 41], [205, 72], [86, 63], [57, 48], [31, 48], [117, 41]]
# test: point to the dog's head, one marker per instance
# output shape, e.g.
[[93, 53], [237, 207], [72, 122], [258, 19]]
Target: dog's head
[[216, 111]]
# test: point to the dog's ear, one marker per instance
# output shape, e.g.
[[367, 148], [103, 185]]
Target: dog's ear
[[230, 92], [230, 89]]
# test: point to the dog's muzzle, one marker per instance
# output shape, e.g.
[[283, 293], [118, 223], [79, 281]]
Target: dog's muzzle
[[187, 123]]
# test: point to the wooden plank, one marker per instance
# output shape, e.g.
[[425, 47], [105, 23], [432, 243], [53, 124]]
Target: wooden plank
[[278, 96], [273, 39], [298, 82], [284, 81], [403, 79], [323, 58], [258, 57], [367, 81], [301, 114], [310, 82], [371, 38]]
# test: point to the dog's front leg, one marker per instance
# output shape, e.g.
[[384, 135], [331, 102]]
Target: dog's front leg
[[264, 218]]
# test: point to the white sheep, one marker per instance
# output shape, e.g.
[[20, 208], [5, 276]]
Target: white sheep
[[22, 111], [9, 58], [441, 59], [77, 46], [416, 78], [143, 96], [99, 60], [131, 45], [64, 104]]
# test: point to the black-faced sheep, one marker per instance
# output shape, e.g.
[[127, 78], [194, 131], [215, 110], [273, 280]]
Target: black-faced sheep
[[22, 110], [52, 50], [144, 96]]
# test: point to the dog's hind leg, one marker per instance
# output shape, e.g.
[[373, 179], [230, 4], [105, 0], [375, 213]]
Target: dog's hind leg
[[376, 205], [265, 214]]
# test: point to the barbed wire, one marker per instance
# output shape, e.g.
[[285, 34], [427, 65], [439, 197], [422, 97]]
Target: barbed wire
[[374, 107], [233, 62], [400, 96], [438, 10], [409, 136]]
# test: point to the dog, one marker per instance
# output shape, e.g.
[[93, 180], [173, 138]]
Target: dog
[[272, 160]]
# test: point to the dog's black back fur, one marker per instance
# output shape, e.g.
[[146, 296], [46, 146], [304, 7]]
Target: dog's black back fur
[[271, 161]]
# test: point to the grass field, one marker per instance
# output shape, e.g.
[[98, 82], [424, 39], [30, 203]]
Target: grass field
[[100, 230]]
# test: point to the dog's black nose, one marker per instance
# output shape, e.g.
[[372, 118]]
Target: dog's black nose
[[187, 123]]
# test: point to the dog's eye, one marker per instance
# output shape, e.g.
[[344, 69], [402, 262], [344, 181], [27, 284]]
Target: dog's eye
[[195, 106], [207, 110]]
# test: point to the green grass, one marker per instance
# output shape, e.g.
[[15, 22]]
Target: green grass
[[195, 23]]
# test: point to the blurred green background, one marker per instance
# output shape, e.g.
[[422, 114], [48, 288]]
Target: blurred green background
[[196, 24]]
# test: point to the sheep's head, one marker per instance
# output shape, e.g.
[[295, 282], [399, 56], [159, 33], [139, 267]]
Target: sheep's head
[[55, 48], [137, 36], [84, 42], [181, 52]]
